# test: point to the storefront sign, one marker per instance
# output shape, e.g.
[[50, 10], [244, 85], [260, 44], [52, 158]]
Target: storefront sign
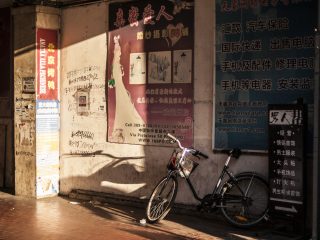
[[47, 64], [264, 55], [47, 113], [150, 71], [286, 160]]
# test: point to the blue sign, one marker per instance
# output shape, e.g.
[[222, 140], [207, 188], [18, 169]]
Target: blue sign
[[47, 118], [264, 55]]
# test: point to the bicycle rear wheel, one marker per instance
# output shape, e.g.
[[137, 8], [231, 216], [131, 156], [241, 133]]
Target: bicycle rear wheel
[[161, 199], [248, 206]]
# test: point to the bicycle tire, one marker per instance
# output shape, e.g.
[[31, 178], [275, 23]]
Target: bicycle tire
[[162, 199], [245, 212]]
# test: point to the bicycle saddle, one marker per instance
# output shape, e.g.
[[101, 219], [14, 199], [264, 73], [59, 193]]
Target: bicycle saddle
[[236, 152]]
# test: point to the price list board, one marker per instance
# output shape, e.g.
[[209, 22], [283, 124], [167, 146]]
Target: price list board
[[286, 160]]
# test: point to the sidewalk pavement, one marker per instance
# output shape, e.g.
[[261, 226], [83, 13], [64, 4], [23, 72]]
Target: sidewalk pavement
[[65, 219]]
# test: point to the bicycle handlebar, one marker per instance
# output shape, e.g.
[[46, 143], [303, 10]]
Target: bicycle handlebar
[[195, 152], [172, 137]]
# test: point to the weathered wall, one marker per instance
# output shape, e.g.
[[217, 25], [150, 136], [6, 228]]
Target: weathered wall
[[24, 104], [121, 168], [24, 45], [47, 17]]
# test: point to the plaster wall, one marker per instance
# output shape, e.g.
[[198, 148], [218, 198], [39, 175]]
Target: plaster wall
[[125, 169], [47, 17], [24, 45], [24, 104]]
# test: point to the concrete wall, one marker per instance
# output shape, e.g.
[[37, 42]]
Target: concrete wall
[[124, 169], [24, 46], [24, 104]]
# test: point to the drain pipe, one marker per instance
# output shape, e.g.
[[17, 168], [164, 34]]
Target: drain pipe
[[316, 143]]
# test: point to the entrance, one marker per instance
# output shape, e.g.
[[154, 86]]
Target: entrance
[[3, 133], [6, 103]]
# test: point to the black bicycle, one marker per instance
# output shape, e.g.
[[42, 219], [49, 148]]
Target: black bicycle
[[243, 198]]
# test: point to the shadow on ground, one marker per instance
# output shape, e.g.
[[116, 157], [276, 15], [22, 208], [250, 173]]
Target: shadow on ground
[[189, 225]]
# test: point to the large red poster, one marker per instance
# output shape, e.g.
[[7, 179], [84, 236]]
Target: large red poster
[[150, 71], [47, 64]]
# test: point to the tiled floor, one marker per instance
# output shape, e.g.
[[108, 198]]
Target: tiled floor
[[60, 218]]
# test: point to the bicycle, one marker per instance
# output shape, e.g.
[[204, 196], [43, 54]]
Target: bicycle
[[243, 198]]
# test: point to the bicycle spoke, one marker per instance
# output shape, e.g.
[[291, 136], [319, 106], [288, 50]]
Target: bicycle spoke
[[246, 201], [157, 210], [249, 185], [161, 199]]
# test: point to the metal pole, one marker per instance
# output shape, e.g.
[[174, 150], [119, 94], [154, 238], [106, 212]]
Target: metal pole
[[316, 143]]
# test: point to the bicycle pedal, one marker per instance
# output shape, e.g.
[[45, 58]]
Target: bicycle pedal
[[199, 208], [241, 218], [213, 209], [203, 209]]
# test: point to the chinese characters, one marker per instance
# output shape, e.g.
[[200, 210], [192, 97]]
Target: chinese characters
[[149, 16], [47, 61]]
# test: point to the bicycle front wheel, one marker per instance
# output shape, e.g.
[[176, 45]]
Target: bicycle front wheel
[[244, 203], [161, 199]]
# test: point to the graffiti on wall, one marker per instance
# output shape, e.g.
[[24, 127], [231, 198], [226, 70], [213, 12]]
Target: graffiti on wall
[[86, 87], [82, 142], [84, 94], [24, 122], [24, 112], [25, 133]]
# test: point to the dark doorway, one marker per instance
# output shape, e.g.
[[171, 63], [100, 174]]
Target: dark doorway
[[6, 102], [5, 40], [3, 133]]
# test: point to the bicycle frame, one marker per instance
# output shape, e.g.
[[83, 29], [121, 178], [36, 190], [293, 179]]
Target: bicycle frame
[[229, 192], [215, 196], [217, 188]]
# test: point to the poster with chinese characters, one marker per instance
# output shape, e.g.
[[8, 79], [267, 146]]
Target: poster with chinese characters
[[47, 147], [150, 71], [47, 113], [264, 55], [286, 160], [47, 64]]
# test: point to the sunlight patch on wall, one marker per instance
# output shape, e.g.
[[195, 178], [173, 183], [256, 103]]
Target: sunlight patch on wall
[[125, 188]]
